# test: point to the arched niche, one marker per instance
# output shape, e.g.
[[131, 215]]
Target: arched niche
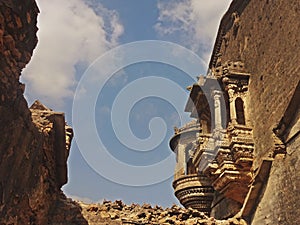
[[240, 112]]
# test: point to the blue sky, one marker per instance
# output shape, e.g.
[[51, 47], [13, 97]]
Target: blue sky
[[74, 33]]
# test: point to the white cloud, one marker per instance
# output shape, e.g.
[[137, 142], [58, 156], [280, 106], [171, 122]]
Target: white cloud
[[195, 22], [70, 32]]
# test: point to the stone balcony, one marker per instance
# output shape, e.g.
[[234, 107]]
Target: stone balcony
[[194, 191], [186, 134], [229, 161], [190, 126]]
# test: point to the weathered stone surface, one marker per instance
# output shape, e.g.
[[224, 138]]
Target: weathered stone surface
[[267, 40], [281, 200], [33, 147]]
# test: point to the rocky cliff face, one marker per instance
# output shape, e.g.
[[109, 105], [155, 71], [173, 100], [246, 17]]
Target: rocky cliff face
[[33, 149]]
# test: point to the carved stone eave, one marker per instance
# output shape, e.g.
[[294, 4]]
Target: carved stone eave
[[233, 184], [235, 69]]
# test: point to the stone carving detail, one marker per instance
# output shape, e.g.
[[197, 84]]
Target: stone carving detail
[[194, 191], [223, 155]]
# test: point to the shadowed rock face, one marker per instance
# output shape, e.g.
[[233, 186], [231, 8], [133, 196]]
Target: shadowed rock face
[[33, 150]]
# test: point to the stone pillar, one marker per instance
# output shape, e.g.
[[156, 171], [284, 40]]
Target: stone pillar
[[218, 113], [232, 106], [180, 169], [204, 126]]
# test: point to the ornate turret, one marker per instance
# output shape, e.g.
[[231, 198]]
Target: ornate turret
[[192, 189], [214, 163]]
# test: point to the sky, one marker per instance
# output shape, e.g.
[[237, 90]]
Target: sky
[[119, 70]]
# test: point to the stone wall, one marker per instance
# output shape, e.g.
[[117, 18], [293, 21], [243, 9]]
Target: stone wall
[[265, 35], [280, 203], [281, 200]]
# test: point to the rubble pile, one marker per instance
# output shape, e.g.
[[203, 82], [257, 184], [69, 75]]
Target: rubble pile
[[117, 213]]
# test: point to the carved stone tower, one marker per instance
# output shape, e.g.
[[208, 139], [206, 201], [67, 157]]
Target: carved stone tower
[[215, 151]]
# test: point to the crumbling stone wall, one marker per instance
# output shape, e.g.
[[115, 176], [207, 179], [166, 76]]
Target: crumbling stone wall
[[29, 181]]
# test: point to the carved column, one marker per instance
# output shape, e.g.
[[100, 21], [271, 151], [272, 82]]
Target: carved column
[[232, 105], [181, 161], [218, 113]]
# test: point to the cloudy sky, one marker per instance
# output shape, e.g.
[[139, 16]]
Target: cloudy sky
[[72, 35]]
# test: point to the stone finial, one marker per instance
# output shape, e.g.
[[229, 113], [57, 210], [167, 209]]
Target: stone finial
[[176, 130]]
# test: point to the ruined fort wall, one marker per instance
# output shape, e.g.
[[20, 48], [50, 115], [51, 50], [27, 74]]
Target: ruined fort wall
[[30, 179]]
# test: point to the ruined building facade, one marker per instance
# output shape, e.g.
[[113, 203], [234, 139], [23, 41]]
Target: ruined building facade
[[240, 155], [215, 150]]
